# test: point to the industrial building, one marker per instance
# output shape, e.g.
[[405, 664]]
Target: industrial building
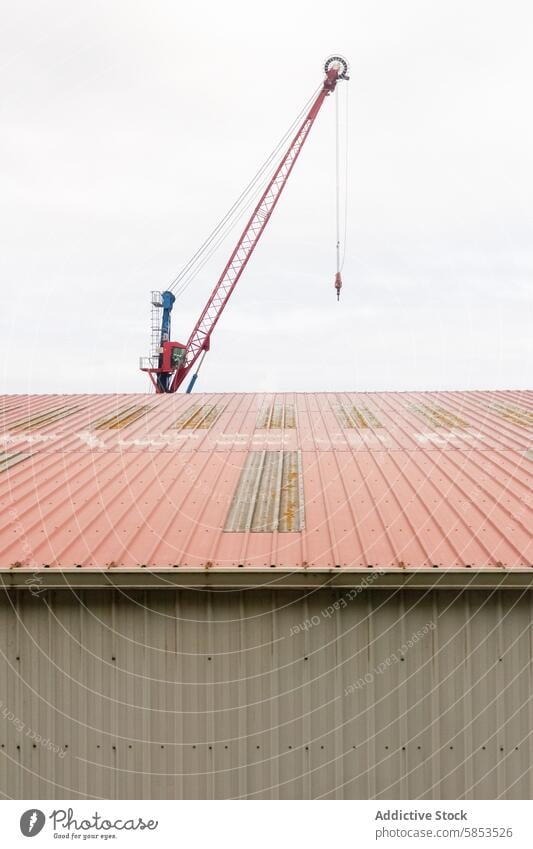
[[266, 596]]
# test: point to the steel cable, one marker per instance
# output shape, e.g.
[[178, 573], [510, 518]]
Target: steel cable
[[234, 214]]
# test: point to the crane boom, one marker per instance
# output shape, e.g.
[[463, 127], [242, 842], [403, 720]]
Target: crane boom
[[199, 339]]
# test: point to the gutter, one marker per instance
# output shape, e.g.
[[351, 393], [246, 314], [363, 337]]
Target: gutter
[[277, 578]]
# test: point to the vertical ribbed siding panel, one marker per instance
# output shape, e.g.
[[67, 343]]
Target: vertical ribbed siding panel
[[356, 643], [404, 638], [467, 703], [256, 747], [159, 651], [211, 697], [320, 695], [289, 683], [420, 613], [484, 658], [277, 652], [500, 699], [175, 677], [228, 696], [333, 755], [240, 696], [24, 648], [93, 669], [58, 641], [195, 653], [130, 659], [516, 665], [450, 688], [387, 743], [433, 737], [527, 742], [6, 696], [109, 717]]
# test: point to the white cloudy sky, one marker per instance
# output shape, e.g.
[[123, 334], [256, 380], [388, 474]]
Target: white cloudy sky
[[128, 128]]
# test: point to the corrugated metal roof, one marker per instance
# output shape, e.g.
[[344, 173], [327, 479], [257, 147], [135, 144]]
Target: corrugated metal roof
[[391, 480]]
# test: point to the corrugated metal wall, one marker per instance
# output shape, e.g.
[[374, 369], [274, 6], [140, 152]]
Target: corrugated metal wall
[[265, 694]]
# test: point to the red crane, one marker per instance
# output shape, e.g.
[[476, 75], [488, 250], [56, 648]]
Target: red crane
[[173, 361]]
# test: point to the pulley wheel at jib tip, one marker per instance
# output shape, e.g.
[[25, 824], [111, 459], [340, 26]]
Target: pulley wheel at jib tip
[[340, 63]]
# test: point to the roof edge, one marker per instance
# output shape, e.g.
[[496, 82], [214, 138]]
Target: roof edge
[[267, 579]]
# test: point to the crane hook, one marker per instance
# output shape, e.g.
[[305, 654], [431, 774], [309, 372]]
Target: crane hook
[[338, 284]]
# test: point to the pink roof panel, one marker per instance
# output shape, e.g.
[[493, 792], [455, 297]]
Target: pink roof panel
[[391, 480]]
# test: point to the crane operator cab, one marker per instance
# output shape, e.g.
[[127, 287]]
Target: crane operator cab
[[172, 355], [170, 358]]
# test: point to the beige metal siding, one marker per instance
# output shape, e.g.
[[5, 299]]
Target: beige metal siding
[[254, 694]]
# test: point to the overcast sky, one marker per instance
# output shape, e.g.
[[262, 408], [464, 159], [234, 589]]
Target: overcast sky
[[128, 128]]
